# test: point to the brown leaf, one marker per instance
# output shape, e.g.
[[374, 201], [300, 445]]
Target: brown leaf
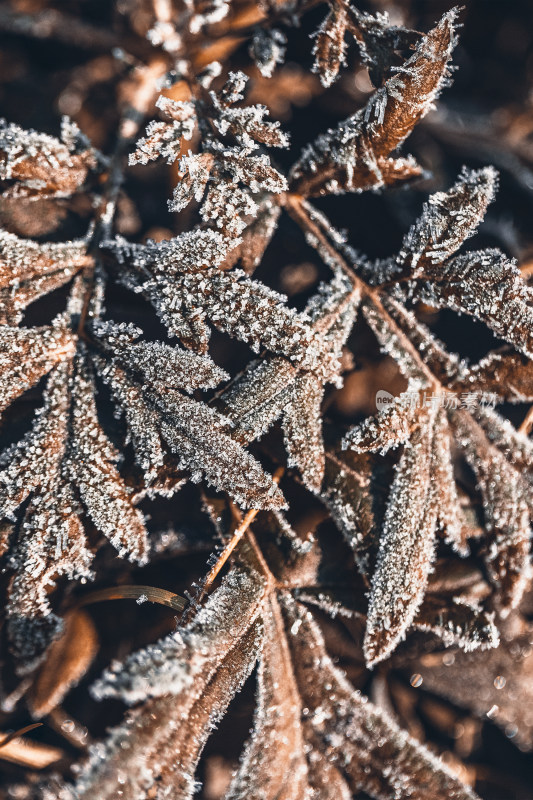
[[496, 686], [458, 623], [353, 156], [67, 661], [185, 688], [507, 376], [330, 46], [406, 549], [26, 354], [41, 165], [505, 507], [362, 742]]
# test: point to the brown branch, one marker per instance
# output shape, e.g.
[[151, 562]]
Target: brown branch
[[236, 537]]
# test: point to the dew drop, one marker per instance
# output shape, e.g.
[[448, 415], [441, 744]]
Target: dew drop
[[67, 726], [499, 681], [296, 627], [141, 599], [511, 731], [416, 680], [491, 713], [448, 659]]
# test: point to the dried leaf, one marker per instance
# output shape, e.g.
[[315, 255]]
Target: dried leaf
[[407, 547], [459, 623], [501, 679], [195, 674], [26, 354], [67, 661], [330, 47], [42, 166], [90, 463], [353, 157], [449, 218], [505, 508]]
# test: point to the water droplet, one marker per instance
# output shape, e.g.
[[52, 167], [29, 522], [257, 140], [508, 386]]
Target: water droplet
[[499, 681], [416, 680], [448, 659], [511, 731], [68, 726], [141, 599], [296, 627], [491, 713]]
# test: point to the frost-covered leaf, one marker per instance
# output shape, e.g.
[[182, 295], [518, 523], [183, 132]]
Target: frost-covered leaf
[[246, 123], [164, 139], [277, 725], [445, 366], [407, 546], [148, 381], [303, 429], [254, 239], [514, 445], [29, 270], [25, 260], [346, 492], [267, 49], [90, 464], [450, 518], [393, 426], [330, 47], [51, 542], [65, 465], [355, 155], [26, 354], [367, 748], [505, 508], [488, 286], [313, 734], [396, 342], [505, 376], [186, 296], [37, 165], [157, 362], [258, 397], [224, 170], [186, 660], [458, 623], [448, 219], [378, 42], [273, 387], [185, 682]]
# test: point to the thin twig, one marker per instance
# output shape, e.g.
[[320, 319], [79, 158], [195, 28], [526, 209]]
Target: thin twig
[[152, 594], [236, 537], [19, 733], [527, 423]]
